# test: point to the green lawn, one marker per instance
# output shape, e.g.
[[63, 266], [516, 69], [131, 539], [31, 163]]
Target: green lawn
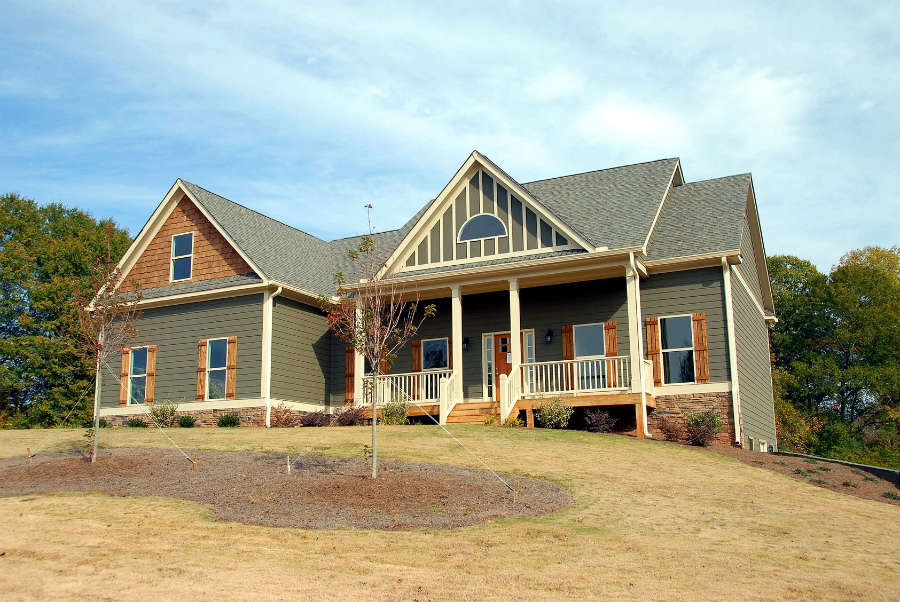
[[649, 521]]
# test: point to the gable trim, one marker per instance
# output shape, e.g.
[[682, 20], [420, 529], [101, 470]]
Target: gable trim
[[675, 172], [762, 265], [421, 227]]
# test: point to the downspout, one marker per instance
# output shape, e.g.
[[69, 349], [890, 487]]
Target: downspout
[[637, 302], [268, 366], [732, 354]]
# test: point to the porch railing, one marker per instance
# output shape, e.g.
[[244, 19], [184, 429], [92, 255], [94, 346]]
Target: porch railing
[[411, 387], [582, 375], [510, 392], [448, 396]]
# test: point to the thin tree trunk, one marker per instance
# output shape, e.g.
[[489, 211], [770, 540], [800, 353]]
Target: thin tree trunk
[[375, 424], [97, 377]]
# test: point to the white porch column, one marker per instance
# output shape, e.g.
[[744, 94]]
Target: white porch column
[[636, 338], [457, 336], [265, 384], [515, 330], [359, 368]]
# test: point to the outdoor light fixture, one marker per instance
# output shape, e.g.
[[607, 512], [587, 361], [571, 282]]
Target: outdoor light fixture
[[548, 338], [466, 344]]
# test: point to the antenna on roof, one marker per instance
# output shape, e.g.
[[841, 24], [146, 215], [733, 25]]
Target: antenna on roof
[[369, 207]]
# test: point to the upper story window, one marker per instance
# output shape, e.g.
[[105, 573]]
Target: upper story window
[[137, 376], [677, 346], [479, 226], [435, 354], [182, 256], [216, 368]]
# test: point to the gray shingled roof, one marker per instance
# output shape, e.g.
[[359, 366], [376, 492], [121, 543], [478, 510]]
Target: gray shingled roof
[[199, 286], [610, 207], [701, 217]]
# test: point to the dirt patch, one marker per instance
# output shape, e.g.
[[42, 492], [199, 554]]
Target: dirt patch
[[830, 475], [319, 492]]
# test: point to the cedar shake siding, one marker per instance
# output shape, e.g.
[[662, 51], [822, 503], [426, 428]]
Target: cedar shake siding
[[754, 369], [301, 348], [213, 256], [687, 292], [176, 329]]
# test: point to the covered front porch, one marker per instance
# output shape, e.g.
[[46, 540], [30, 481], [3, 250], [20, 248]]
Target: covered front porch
[[505, 347]]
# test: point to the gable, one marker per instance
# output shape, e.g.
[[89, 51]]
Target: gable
[[481, 216], [213, 256]]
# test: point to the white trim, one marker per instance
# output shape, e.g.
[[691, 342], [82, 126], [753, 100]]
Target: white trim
[[217, 369], [173, 257], [494, 237], [218, 404], [422, 354], [662, 351], [752, 296], [732, 353], [690, 388], [637, 319], [673, 264], [515, 334], [490, 336], [265, 384], [231, 291], [462, 262], [456, 333]]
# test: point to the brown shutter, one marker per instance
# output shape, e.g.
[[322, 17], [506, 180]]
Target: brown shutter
[[123, 376], [653, 352], [150, 395], [611, 343], [416, 347], [385, 367], [201, 369], [701, 350], [568, 353], [231, 369], [349, 367]]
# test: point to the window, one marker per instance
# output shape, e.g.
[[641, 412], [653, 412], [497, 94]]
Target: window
[[590, 342], [435, 354], [763, 446], [489, 365], [677, 346], [479, 226], [182, 256], [137, 376], [217, 355]]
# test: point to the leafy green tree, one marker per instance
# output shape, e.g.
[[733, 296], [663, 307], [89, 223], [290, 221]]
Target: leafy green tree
[[46, 256]]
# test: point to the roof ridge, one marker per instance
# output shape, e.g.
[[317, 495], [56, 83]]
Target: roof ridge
[[746, 173], [357, 235], [261, 214], [582, 173]]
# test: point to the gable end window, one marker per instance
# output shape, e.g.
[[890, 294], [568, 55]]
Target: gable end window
[[677, 347], [182, 256], [483, 225]]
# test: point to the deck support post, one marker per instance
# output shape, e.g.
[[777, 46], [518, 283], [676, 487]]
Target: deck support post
[[457, 338], [529, 415]]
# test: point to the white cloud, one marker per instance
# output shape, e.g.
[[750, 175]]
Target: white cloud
[[555, 85]]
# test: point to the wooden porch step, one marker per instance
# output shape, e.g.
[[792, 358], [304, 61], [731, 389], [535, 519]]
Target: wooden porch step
[[473, 413]]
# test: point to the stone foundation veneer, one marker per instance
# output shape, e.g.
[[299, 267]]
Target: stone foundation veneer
[[207, 417], [679, 407]]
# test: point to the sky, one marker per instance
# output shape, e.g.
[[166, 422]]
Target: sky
[[308, 111]]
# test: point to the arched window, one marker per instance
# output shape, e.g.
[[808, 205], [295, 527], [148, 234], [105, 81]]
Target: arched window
[[483, 225]]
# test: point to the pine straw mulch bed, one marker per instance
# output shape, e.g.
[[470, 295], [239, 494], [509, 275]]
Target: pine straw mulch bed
[[319, 493]]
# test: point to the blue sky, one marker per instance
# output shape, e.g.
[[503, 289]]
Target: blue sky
[[307, 112]]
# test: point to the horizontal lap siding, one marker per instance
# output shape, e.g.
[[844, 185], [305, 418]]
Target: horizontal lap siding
[[687, 292], [754, 367], [175, 331], [301, 352], [748, 267], [336, 373]]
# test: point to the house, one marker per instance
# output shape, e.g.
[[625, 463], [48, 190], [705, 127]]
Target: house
[[625, 288]]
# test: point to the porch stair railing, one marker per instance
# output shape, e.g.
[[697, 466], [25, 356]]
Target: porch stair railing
[[510, 392], [411, 387], [592, 374], [448, 397]]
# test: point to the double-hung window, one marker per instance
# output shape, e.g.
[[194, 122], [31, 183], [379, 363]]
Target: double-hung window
[[677, 347], [216, 368], [182, 256], [590, 343], [137, 376]]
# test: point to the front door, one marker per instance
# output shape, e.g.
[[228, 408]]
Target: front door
[[502, 360]]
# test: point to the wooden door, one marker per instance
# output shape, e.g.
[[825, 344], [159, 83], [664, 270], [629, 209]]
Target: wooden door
[[502, 360]]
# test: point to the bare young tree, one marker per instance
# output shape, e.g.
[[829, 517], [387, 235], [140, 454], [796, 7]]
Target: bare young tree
[[373, 316], [106, 326]]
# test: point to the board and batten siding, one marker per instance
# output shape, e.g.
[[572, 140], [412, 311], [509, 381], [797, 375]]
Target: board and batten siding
[[301, 352], [687, 292], [176, 329], [754, 368]]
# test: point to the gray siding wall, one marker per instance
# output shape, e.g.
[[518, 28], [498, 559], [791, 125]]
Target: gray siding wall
[[175, 330], [336, 379], [750, 262], [687, 292], [301, 352], [754, 368]]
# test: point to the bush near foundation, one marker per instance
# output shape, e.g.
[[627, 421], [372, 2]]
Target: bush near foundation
[[282, 417], [315, 419], [554, 414], [228, 420], [702, 427], [163, 412], [136, 423], [671, 429], [394, 412], [186, 422], [599, 421], [349, 416]]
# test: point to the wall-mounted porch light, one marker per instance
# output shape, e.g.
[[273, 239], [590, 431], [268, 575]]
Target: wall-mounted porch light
[[465, 343], [548, 338]]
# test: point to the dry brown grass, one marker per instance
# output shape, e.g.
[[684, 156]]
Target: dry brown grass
[[649, 521]]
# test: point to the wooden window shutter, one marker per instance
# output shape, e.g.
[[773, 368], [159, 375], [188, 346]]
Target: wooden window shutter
[[385, 367], [653, 352], [123, 376], [231, 369], [568, 342], [416, 347], [701, 349], [349, 368], [150, 395], [201, 369], [611, 343]]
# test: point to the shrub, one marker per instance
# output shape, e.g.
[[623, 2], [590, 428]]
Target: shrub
[[671, 429], [512, 421], [599, 421], [702, 427], [89, 423], [490, 420], [282, 417], [891, 495], [136, 423], [186, 422], [163, 412], [349, 416], [554, 414], [228, 420], [394, 412], [849, 484], [315, 419]]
